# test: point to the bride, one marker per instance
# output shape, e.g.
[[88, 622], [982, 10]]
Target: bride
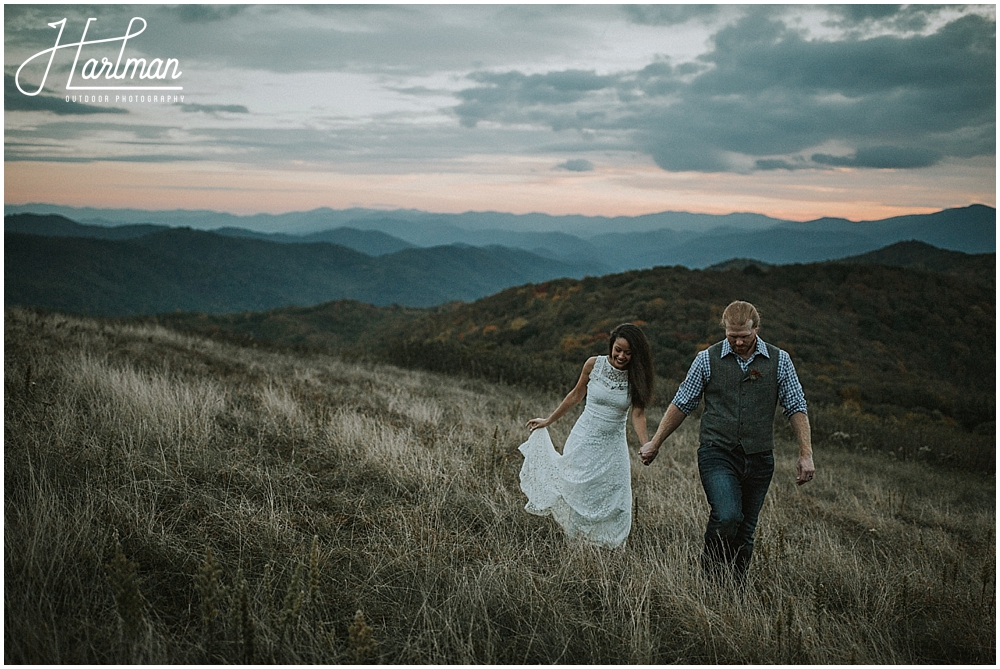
[[588, 489]]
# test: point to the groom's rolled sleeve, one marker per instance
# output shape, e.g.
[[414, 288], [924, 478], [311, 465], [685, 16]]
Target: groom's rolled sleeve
[[790, 394], [689, 392]]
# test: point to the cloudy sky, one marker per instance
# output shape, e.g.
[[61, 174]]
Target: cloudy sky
[[859, 111]]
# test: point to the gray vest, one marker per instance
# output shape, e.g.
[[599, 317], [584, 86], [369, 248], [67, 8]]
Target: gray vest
[[739, 408]]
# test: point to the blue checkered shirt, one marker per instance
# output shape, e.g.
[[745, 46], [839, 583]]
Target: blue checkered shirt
[[790, 394]]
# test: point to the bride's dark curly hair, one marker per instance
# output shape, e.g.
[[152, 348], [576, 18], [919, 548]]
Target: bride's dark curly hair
[[640, 368]]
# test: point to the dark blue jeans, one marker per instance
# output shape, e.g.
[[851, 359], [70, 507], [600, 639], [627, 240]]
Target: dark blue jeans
[[735, 484]]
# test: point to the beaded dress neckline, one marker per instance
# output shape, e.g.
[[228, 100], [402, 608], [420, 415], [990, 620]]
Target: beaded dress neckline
[[616, 378]]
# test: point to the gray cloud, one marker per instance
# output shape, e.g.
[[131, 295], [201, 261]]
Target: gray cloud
[[422, 91], [375, 147], [214, 109], [67, 140], [514, 94], [667, 14], [14, 100], [764, 96], [862, 13], [389, 39], [882, 157], [771, 92], [207, 13], [766, 164], [900, 17], [576, 165], [133, 158]]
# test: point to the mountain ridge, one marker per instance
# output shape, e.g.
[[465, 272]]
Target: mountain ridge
[[969, 229], [917, 255], [192, 270], [320, 218], [238, 270]]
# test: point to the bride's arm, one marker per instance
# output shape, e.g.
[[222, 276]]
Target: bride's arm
[[574, 397], [639, 425]]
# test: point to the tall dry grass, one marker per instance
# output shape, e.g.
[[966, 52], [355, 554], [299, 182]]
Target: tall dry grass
[[171, 499]]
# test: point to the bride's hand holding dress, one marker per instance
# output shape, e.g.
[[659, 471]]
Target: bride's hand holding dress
[[536, 423]]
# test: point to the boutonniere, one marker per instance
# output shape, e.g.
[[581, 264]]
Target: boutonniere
[[754, 374]]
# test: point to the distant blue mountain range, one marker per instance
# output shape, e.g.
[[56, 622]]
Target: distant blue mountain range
[[151, 263], [190, 270], [603, 244]]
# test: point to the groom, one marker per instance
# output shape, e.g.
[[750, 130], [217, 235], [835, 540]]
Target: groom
[[742, 379]]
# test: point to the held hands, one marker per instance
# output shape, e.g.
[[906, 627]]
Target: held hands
[[648, 452], [805, 470]]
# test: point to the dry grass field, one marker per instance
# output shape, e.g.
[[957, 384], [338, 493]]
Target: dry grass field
[[172, 499]]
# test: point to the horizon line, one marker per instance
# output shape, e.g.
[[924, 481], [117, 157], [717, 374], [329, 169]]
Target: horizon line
[[486, 211]]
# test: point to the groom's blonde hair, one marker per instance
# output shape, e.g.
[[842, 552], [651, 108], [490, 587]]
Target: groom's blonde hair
[[738, 314]]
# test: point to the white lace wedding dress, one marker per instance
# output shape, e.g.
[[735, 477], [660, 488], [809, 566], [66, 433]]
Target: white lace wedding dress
[[587, 489]]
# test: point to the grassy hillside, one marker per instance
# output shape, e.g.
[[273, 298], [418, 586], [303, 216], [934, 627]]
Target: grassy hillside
[[890, 344], [175, 499]]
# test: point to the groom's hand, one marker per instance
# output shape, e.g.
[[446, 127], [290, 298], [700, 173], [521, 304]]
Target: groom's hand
[[648, 452], [805, 470]]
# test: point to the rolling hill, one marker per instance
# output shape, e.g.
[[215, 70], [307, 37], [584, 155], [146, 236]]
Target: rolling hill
[[979, 268], [893, 341], [369, 242], [54, 225], [189, 270]]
